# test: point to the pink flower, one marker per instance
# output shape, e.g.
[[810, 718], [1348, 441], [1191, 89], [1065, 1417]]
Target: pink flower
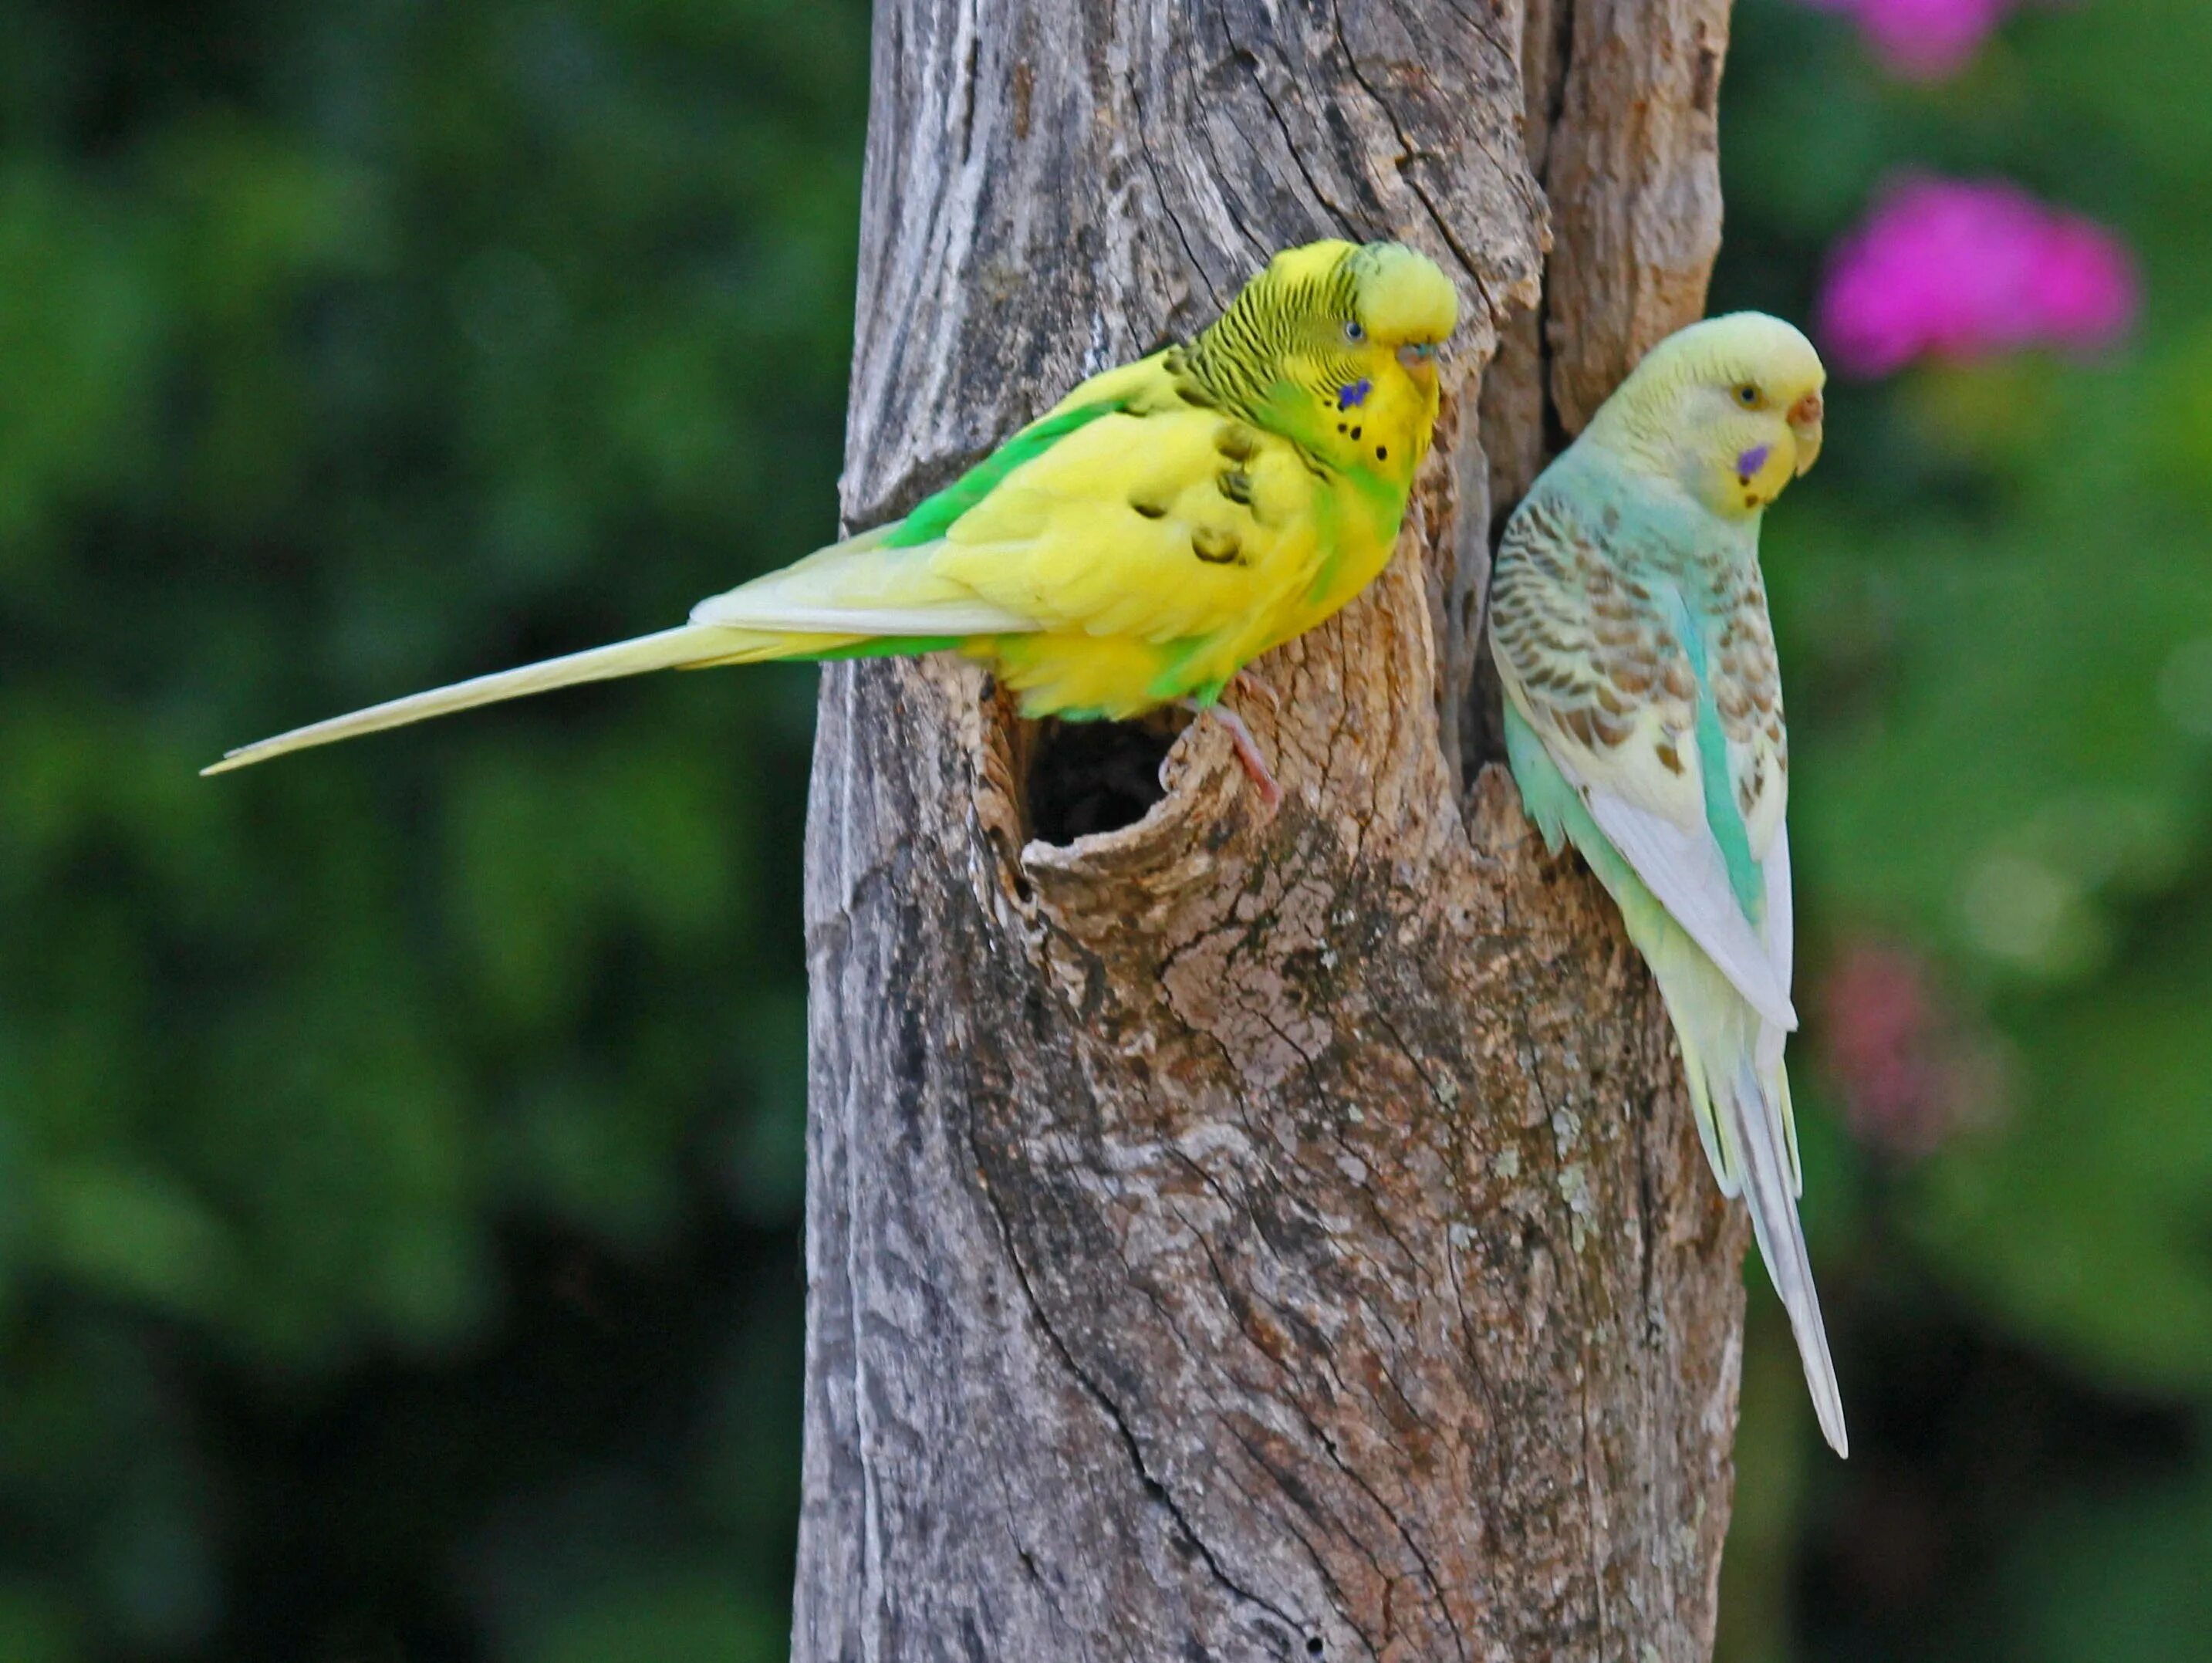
[[1909, 1071], [1924, 40], [1967, 269]]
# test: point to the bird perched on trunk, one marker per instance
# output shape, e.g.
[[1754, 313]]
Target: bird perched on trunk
[[1135, 546], [1644, 723]]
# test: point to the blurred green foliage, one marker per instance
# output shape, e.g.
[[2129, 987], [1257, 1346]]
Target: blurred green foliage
[[400, 1149], [1995, 598], [399, 1155]]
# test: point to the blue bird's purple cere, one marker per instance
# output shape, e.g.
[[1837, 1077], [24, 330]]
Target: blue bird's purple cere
[[1752, 460]]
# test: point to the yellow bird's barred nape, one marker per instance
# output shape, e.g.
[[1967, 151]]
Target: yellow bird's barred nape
[[1241, 356], [1317, 319]]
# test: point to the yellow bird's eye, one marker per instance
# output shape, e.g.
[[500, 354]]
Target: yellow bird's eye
[[1747, 395], [1352, 332]]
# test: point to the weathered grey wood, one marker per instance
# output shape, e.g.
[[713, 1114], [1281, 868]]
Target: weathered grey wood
[[1237, 1237]]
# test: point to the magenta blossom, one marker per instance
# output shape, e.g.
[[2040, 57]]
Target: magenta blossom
[[1967, 269], [1924, 40], [1909, 1070]]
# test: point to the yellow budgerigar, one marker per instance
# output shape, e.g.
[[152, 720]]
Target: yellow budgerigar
[[1135, 546]]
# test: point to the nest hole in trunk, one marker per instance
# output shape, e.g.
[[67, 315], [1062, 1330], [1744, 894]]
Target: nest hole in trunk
[[1084, 777]]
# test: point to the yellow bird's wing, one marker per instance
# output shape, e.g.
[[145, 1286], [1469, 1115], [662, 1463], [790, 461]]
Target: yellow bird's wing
[[1163, 522]]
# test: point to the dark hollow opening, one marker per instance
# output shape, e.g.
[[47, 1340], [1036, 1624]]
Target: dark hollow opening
[[1089, 776]]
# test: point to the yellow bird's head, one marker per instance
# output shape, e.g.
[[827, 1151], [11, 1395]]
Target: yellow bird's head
[[1335, 343], [1730, 408]]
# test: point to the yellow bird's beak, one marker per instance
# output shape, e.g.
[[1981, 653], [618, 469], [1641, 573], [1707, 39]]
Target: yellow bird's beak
[[1418, 359], [1805, 417]]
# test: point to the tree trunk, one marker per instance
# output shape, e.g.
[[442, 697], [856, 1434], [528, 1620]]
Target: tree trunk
[[1234, 1237]]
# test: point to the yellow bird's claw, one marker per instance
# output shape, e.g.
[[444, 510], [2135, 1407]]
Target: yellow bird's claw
[[1252, 686], [1248, 754]]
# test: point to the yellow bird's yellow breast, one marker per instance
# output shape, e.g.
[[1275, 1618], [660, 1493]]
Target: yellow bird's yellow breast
[[1160, 552], [1163, 545]]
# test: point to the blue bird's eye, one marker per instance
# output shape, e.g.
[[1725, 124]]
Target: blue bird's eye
[[1352, 332]]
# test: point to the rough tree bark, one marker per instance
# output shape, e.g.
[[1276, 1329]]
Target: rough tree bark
[[1232, 1237]]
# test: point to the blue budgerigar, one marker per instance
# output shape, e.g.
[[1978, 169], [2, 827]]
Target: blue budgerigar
[[1644, 723]]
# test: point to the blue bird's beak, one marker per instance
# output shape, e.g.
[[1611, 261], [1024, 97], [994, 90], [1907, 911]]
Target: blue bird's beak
[[1805, 419]]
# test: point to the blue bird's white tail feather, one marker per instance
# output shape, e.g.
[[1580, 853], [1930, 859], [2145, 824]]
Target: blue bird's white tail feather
[[1741, 1095], [1750, 1124]]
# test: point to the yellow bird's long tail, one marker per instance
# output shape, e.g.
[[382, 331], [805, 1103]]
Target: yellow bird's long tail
[[864, 594], [687, 645]]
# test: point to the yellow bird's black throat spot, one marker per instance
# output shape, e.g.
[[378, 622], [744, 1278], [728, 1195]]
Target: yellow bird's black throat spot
[[1216, 548], [1150, 510], [1237, 485]]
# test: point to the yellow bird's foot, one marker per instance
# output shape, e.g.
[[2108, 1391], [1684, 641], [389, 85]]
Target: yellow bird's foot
[[1253, 687], [1248, 753]]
